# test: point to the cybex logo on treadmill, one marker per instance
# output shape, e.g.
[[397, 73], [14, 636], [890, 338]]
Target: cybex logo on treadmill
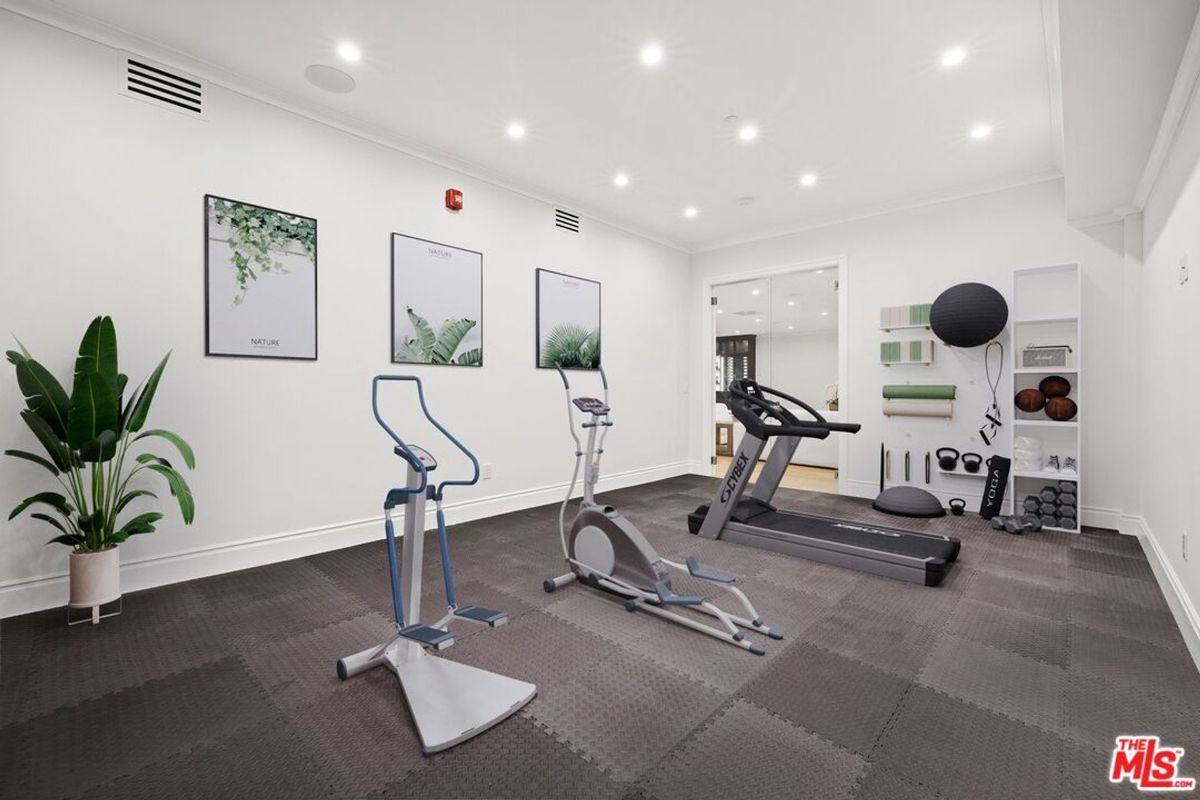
[[738, 467]]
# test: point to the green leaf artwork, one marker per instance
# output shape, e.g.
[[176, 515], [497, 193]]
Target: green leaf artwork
[[430, 348], [257, 236], [571, 346]]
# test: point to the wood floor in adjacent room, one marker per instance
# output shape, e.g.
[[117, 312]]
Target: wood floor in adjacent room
[[1010, 680], [813, 479]]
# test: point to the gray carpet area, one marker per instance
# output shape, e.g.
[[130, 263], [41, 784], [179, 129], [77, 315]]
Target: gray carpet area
[[1009, 680]]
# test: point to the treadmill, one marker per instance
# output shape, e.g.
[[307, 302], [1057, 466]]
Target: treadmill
[[908, 555]]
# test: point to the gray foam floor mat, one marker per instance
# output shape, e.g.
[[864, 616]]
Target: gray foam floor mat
[[1009, 680]]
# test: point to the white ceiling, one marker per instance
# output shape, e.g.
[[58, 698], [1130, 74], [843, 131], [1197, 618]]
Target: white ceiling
[[850, 89], [794, 304], [1119, 62]]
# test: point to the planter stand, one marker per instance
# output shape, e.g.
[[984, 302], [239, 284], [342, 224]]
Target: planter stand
[[102, 611]]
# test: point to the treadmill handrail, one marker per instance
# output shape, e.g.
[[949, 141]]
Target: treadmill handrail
[[789, 425]]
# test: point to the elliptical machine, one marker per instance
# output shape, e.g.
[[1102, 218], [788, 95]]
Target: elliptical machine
[[450, 702], [606, 551]]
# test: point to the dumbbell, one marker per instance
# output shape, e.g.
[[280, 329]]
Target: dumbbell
[[1067, 486], [998, 522], [1068, 499], [1033, 503], [1048, 494], [1067, 513], [1031, 522], [1069, 524], [1049, 521]]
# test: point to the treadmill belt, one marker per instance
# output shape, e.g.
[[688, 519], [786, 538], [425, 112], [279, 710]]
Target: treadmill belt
[[853, 534]]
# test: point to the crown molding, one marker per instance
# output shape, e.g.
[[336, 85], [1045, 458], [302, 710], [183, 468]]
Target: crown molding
[[108, 35]]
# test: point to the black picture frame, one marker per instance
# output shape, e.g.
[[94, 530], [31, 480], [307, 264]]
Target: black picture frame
[[537, 336], [208, 347], [392, 301]]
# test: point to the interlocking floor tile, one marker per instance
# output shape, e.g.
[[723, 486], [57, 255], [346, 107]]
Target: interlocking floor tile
[[1052, 602], [1133, 590], [1170, 673], [746, 752], [923, 605], [1021, 688], [842, 700], [1023, 568], [1133, 621], [966, 752], [1085, 777], [517, 760], [1100, 710], [881, 783], [624, 713], [876, 637], [1028, 635], [1126, 566]]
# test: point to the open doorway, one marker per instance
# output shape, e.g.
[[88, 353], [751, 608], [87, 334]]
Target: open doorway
[[783, 331]]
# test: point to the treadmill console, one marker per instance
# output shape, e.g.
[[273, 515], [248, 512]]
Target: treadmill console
[[590, 405]]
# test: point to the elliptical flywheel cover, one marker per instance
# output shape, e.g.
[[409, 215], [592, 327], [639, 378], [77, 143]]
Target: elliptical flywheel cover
[[908, 501], [968, 315]]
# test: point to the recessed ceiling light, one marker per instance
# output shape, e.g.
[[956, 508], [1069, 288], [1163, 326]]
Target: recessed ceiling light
[[349, 51], [737, 331], [516, 130], [719, 311], [824, 313], [790, 327], [754, 291], [748, 133], [791, 302], [981, 131], [820, 272], [690, 212], [621, 179], [808, 179], [652, 54], [953, 56], [757, 321]]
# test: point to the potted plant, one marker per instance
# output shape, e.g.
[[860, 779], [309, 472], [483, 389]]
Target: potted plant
[[89, 437]]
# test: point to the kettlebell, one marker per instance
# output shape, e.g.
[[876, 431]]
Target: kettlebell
[[972, 462], [957, 506], [947, 462]]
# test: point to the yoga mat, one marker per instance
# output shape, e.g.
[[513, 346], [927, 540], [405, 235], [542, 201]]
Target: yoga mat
[[918, 408], [919, 391]]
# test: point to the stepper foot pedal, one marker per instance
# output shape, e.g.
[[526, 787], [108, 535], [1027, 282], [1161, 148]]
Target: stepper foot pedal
[[483, 616], [436, 638]]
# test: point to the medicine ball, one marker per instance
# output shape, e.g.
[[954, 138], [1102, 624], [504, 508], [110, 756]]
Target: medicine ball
[[1055, 386], [968, 315], [1061, 409], [1030, 400]]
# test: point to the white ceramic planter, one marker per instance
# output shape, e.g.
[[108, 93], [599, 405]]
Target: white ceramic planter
[[95, 579]]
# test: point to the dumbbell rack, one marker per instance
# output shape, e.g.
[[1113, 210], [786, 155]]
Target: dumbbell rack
[[1047, 309]]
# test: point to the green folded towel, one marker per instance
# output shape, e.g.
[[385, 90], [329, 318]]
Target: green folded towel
[[919, 392]]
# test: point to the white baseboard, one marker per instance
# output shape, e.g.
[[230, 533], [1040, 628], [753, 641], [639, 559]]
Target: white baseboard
[[50, 591], [1181, 604]]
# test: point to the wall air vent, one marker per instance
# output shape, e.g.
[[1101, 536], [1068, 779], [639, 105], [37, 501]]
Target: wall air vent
[[566, 220], [161, 85]]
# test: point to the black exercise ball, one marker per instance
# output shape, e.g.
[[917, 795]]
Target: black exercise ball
[[968, 315]]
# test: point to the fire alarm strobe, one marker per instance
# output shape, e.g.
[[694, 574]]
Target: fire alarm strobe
[[454, 200]]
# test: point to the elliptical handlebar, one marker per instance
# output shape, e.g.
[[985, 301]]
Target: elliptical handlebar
[[409, 455]]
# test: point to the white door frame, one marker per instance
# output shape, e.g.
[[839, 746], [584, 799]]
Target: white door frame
[[708, 350]]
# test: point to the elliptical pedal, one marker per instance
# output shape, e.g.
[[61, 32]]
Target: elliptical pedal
[[436, 638], [482, 616]]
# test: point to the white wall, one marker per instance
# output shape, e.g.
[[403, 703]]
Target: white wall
[[102, 213], [1169, 381], [911, 256]]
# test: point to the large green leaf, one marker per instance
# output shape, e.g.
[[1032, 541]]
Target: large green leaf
[[49, 521], [34, 458], [93, 409], [449, 337], [44, 395], [141, 408], [98, 351], [52, 499], [179, 488], [130, 497], [409, 351], [69, 539], [100, 449], [142, 523], [571, 346], [471, 358], [425, 335], [57, 451], [183, 447]]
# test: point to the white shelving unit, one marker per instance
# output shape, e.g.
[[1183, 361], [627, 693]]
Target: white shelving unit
[[1047, 309]]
